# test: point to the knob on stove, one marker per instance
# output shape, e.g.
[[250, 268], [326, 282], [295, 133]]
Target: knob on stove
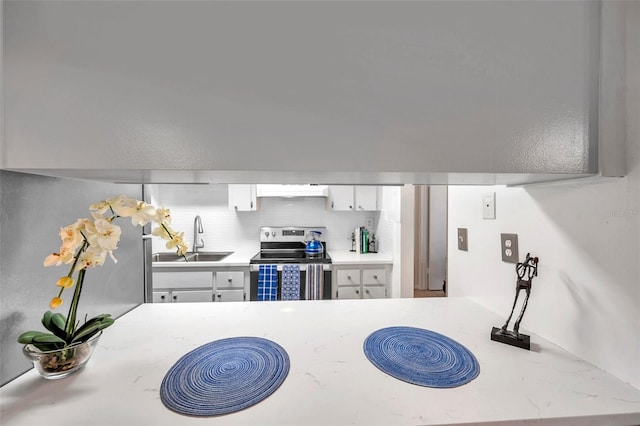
[[266, 234]]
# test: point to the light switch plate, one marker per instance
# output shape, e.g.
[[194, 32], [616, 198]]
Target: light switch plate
[[462, 239], [509, 247], [489, 205]]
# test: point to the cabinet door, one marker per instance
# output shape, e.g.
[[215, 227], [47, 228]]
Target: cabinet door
[[229, 295], [348, 277], [192, 296], [341, 197], [349, 293], [374, 292], [374, 276], [189, 279], [229, 279], [161, 297], [366, 198], [242, 197]]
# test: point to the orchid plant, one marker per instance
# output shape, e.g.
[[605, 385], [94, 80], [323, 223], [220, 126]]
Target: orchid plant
[[86, 244]]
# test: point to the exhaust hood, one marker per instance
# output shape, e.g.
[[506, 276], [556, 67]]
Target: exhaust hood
[[292, 191]]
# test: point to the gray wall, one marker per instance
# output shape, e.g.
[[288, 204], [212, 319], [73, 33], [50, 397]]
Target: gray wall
[[33, 208]]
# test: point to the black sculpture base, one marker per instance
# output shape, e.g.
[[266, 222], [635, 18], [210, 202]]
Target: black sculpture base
[[510, 338]]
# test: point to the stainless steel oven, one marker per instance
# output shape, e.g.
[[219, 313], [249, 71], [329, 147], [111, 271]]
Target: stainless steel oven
[[281, 246]]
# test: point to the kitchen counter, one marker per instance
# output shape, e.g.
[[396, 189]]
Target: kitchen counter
[[238, 258], [352, 258], [330, 382], [241, 259]]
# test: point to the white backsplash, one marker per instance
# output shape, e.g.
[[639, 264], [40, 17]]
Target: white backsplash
[[228, 230]]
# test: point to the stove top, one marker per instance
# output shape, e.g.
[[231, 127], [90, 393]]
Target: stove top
[[297, 256], [285, 244]]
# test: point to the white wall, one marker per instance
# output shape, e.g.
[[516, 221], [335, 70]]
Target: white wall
[[226, 229], [587, 235]]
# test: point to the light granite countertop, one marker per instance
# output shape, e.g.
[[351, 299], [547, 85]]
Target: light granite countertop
[[330, 382]]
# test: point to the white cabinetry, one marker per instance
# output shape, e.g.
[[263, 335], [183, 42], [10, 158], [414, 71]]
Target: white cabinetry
[[361, 282], [176, 286], [229, 286], [215, 284], [353, 198], [242, 197]]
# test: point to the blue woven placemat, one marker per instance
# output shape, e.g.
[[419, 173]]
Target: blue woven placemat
[[421, 357], [224, 376]]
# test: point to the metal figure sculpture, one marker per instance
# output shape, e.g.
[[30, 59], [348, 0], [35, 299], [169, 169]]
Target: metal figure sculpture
[[526, 271]]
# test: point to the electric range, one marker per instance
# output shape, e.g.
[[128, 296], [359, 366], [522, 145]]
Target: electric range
[[284, 245]]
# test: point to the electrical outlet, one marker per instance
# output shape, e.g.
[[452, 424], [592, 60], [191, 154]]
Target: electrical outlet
[[368, 223], [509, 247], [489, 205], [462, 239]]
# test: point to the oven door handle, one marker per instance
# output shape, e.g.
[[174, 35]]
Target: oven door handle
[[255, 267]]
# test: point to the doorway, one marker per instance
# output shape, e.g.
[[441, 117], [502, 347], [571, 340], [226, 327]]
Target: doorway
[[430, 241]]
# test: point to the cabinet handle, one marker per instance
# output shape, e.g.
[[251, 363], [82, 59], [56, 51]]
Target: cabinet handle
[[230, 280], [349, 277], [357, 291], [360, 207], [175, 297], [252, 204], [375, 277], [351, 207], [162, 297], [366, 291], [219, 296], [332, 204]]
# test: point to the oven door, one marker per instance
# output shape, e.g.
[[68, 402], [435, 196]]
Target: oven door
[[253, 281]]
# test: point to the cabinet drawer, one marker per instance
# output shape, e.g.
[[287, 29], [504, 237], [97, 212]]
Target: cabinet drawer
[[374, 292], [349, 293], [192, 296], [161, 297], [229, 295], [348, 277], [374, 276], [195, 279], [229, 279]]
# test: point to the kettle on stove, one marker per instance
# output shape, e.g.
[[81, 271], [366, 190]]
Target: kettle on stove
[[313, 247]]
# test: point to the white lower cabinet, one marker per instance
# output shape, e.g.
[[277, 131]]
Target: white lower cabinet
[[361, 282], [185, 296], [229, 296], [216, 284], [229, 285], [161, 296], [182, 286]]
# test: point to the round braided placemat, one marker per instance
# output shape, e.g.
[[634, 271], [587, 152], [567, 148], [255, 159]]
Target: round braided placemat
[[421, 357], [224, 376]]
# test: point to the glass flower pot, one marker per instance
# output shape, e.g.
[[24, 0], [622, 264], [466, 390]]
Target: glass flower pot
[[59, 363]]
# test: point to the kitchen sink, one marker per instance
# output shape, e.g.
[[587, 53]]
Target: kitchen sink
[[201, 256], [208, 256]]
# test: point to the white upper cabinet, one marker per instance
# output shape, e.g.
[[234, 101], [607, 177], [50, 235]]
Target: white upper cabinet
[[303, 91], [242, 197], [354, 198], [366, 197], [341, 197]]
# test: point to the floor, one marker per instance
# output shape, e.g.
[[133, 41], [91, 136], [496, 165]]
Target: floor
[[428, 293]]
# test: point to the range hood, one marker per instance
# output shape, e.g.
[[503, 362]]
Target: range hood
[[292, 191]]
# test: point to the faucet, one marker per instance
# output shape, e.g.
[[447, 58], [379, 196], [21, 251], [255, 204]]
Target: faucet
[[197, 229]]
